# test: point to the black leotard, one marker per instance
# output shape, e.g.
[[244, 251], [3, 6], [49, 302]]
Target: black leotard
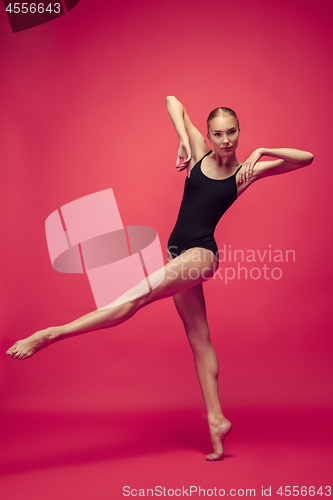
[[204, 202]]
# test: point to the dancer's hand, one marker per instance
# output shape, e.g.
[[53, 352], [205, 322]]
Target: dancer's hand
[[248, 168], [184, 156]]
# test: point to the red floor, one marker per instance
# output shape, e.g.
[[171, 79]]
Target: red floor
[[84, 456]]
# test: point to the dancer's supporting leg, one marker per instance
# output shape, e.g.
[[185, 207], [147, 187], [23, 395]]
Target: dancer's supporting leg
[[194, 266], [190, 305]]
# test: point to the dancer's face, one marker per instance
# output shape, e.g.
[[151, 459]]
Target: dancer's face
[[223, 134]]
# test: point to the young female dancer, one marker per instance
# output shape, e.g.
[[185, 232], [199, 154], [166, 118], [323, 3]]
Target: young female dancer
[[215, 178]]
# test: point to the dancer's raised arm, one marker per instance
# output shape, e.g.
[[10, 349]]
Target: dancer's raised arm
[[192, 145], [288, 159]]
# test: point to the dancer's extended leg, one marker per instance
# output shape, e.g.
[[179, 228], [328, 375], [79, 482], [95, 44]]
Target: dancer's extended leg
[[190, 305], [194, 266]]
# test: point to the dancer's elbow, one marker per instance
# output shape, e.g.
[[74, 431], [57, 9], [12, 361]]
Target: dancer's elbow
[[310, 159], [305, 160]]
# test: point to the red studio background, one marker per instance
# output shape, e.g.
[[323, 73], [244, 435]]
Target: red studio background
[[83, 109]]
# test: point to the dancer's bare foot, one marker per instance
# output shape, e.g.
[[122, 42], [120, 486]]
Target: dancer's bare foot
[[219, 428], [25, 348]]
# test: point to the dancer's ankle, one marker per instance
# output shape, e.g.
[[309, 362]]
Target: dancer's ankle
[[53, 334], [215, 418]]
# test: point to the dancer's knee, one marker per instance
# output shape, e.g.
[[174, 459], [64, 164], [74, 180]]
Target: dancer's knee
[[142, 295], [199, 340]]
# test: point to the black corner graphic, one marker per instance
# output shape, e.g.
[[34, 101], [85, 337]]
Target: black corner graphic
[[70, 4]]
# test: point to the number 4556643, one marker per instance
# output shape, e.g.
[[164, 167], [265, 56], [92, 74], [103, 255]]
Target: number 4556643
[[304, 491], [32, 8]]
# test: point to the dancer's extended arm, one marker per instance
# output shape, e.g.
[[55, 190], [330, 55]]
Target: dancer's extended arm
[[288, 159], [192, 145]]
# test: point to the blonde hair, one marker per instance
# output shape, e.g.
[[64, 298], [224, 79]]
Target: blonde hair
[[224, 112]]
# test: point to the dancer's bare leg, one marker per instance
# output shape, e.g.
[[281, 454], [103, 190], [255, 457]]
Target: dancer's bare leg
[[194, 266], [190, 305]]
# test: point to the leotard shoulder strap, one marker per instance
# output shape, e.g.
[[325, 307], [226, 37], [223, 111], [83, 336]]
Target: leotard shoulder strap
[[204, 156]]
